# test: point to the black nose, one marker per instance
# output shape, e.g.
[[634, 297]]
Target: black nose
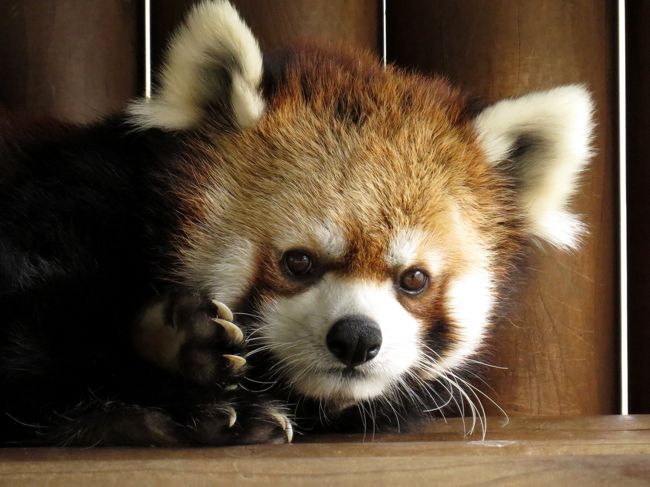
[[354, 340]]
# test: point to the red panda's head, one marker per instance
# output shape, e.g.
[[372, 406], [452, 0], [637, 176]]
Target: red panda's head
[[367, 218]]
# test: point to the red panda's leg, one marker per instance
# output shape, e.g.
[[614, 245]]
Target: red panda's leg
[[192, 337], [113, 423], [205, 418], [233, 421]]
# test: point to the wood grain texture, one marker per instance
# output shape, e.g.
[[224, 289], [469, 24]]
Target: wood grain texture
[[603, 451], [560, 346], [638, 175], [74, 59], [284, 22]]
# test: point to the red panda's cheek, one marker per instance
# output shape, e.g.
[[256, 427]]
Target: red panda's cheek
[[222, 267], [436, 335], [425, 307], [468, 306]]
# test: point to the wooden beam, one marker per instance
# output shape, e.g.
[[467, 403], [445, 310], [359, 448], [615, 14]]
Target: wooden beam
[[608, 450]]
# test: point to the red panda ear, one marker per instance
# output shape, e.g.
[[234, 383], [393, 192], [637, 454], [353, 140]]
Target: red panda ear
[[544, 138], [213, 67]]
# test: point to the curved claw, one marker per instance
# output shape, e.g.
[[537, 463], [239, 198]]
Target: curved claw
[[223, 311], [284, 423], [236, 362], [232, 416], [233, 331]]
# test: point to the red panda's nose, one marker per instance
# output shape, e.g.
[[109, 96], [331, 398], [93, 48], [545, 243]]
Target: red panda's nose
[[354, 340]]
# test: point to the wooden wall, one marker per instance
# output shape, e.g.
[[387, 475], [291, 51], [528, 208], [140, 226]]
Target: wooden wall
[[75, 59], [560, 346], [80, 58], [281, 22]]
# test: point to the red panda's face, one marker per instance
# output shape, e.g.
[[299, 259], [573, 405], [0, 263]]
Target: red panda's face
[[365, 218], [371, 250], [367, 319]]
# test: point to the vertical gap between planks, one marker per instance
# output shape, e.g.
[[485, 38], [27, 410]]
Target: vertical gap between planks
[[622, 178]]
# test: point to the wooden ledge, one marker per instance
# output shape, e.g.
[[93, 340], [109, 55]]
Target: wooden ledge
[[605, 450]]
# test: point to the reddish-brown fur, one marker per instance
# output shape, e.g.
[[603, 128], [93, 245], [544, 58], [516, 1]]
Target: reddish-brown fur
[[374, 150]]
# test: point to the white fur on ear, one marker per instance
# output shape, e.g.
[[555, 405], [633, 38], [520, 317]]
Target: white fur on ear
[[213, 59], [545, 138]]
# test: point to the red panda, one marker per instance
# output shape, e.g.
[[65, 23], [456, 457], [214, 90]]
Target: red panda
[[302, 240]]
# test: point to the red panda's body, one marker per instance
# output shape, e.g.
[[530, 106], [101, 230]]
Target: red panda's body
[[362, 223]]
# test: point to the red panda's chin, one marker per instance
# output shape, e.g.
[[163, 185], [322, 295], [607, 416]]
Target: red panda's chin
[[332, 387]]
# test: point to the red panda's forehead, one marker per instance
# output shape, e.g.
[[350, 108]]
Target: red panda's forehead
[[360, 158], [351, 87], [388, 135], [389, 169]]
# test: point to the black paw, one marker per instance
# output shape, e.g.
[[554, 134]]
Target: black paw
[[211, 344], [240, 421]]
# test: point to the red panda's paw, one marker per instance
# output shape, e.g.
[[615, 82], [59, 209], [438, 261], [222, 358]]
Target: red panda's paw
[[211, 345], [247, 420], [194, 337]]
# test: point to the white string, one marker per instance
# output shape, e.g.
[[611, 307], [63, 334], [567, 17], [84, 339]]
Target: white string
[[623, 206], [383, 34], [147, 48]]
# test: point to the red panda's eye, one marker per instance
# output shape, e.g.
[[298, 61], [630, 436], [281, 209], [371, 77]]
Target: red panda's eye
[[413, 281], [297, 263]]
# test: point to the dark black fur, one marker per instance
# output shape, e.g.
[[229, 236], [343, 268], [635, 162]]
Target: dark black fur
[[72, 236], [84, 227]]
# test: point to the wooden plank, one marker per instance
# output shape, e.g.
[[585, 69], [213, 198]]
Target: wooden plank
[[74, 60], [560, 345], [284, 22], [638, 80], [609, 450]]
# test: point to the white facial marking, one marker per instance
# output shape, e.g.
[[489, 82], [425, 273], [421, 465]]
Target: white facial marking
[[325, 237], [296, 329], [233, 273], [407, 248], [223, 269], [330, 239], [470, 299]]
